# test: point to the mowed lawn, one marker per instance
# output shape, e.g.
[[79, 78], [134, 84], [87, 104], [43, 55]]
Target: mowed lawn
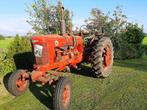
[[125, 89], [5, 43]]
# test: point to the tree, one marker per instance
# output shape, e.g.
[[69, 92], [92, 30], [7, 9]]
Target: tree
[[2, 37], [132, 38], [45, 18], [112, 24], [120, 31], [97, 20]]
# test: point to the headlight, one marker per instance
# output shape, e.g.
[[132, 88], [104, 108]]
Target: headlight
[[38, 50]]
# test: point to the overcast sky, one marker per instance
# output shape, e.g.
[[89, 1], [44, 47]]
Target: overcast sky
[[13, 16]]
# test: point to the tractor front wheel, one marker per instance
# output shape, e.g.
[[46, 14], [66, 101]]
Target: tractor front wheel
[[62, 94], [18, 82]]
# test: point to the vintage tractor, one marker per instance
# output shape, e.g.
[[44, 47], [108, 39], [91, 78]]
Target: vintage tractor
[[55, 53]]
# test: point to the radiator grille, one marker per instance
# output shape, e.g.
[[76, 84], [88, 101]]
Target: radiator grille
[[44, 59]]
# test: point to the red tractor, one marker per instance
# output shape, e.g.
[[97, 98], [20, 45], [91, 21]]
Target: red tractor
[[61, 52]]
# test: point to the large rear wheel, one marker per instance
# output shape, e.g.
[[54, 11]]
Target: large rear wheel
[[18, 82], [62, 94], [102, 57]]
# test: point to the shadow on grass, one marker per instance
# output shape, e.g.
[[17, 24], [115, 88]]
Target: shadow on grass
[[24, 60], [5, 80], [83, 70], [136, 64], [43, 94]]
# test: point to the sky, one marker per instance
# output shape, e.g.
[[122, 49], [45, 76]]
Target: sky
[[13, 16]]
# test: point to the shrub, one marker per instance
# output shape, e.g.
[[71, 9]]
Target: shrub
[[2, 37], [5, 65], [19, 45], [18, 56], [144, 49], [134, 34], [130, 43], [21, 53], [144, 43]]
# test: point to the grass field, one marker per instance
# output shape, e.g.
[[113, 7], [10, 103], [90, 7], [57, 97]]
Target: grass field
[[5, 43], [145, 41], [125, 89]]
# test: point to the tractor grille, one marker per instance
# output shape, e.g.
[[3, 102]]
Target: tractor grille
[[44, 58]]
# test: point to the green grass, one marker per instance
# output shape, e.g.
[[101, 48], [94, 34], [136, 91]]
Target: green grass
[[5, 43], [125, 89], [144, 41]]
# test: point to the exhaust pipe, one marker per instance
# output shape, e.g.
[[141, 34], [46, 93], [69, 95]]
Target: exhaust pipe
[[63, 27]]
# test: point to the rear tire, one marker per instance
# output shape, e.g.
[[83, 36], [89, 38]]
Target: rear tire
[[102, 57], [62, 94], [18, 82]]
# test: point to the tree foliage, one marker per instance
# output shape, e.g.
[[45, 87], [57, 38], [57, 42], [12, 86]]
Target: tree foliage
[[2, 37], [45, 18], [112, 24], [133, 34], [97, 19], [132, 38], [126, 37]]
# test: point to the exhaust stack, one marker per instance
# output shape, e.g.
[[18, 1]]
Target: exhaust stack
[[63, 27]]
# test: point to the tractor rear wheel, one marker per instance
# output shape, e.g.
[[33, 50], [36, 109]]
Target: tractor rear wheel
[[62, 94], [102, 57], [18, 82]]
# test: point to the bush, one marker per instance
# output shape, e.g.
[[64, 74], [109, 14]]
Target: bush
[[2, 37], [144, 49], [130, 43], [128, 51], [21, 52], [134, 34], [18, 56], [19, 45], [6, 65]]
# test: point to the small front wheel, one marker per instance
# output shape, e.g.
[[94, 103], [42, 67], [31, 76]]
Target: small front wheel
[[18, 82], [62, 94]]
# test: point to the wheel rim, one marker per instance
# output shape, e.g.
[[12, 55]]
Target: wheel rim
[[66, 95], [21, 82], [107, 57]]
